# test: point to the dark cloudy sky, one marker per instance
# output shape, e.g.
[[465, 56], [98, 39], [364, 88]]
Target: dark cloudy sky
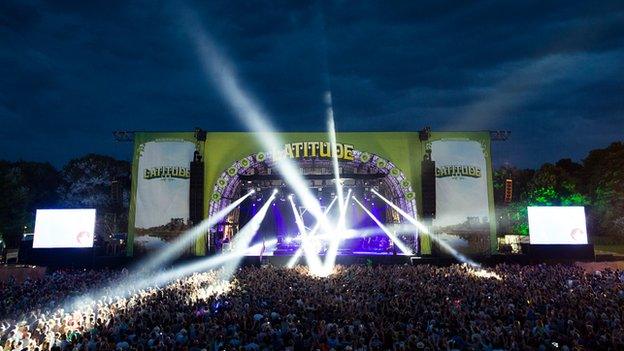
[[552, 72]]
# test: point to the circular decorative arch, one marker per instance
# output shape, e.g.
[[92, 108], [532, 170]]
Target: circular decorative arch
[[225, 188]]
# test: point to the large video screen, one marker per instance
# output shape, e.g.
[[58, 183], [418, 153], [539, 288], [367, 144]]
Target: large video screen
[[557, 225], [64, 228]]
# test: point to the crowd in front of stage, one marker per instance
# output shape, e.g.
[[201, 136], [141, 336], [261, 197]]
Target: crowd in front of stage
[[394, 307]]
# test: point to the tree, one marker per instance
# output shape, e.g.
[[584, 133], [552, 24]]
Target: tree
[[520, 178], [42, 181], [86, 183], [13, 203], [604, 185], [556, 184]]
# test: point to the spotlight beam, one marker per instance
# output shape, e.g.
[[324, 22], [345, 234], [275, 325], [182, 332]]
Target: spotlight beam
[[199, 266], [128, 288], [312, 258], [331, 126], [174, 249], [330, 259], [298, 218], [242, 239], [412, 220], [404, 249], [218, 68], [460, 257], [293, 260]]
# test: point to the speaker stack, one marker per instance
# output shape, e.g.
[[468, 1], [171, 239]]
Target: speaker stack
[[428, 190], [196, 193]]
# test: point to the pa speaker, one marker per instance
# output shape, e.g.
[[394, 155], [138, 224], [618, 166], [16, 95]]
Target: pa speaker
[[196, 192], [428, 189]]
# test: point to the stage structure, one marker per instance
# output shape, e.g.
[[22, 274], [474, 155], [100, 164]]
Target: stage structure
[[388, 162]]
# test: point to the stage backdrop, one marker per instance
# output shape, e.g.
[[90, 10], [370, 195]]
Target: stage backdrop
[[160, 205], [159, 209], [464, 194]]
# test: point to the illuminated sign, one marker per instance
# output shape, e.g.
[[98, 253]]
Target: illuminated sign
[[167, 172], [315, 149], [458, 171]]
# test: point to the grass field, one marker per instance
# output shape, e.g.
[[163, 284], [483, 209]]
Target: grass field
[[617, 248]]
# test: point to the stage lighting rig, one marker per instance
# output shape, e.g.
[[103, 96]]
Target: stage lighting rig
[[200, 134], [424, 134]]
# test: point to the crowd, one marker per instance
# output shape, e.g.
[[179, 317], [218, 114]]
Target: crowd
[[391, 307]]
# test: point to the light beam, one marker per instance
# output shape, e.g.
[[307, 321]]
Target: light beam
[[312, 258], [404, 249], [173, 250], [293, 260], [338, 234], [460, 257], [220, 71], [244, 236]]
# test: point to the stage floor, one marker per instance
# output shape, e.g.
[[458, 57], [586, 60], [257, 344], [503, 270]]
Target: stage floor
[[282, 260], [269, 251]]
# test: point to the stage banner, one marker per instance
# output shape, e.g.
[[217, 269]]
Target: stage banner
[[159, 210], [464, 210]]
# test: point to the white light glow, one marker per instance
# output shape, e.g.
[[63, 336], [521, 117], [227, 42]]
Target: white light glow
[[219, 70], [293, 260], [334, 146], [337, 235], [482, 273], [310, 250], [242, 239], [404, 249], [460, 257], [138, 282], [175, 249], [411, 219]]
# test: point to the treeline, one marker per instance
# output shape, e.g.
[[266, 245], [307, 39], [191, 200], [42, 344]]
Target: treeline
[[83, 182], [597, 182]]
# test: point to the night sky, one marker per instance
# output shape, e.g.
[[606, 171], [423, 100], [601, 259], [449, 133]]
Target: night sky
[[71, 72]]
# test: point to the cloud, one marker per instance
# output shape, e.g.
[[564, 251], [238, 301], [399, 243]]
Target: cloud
[[75, 71]]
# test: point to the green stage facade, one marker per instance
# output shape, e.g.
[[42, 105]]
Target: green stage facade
[[159, 209]]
